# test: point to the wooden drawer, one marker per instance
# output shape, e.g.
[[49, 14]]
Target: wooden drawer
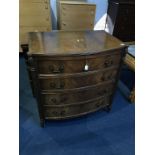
[[76, 81], [53, 112], [87, 15], [39, 20], [33, 9], [74, 96], [76, 65], [77, 7], [23, 32], [77, 25]]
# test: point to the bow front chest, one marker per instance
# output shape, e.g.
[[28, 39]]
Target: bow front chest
[[73, 73]]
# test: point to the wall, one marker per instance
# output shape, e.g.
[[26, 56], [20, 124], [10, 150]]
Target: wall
[[101, 9]]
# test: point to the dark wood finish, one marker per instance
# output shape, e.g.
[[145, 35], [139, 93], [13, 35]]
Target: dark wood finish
[[72, 78], [121, 19], [76, 81], [72, 43], [74, 96], [59, 65], [82, 108]]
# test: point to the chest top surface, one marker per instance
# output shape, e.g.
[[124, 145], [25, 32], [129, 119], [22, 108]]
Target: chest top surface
[[72, 43]]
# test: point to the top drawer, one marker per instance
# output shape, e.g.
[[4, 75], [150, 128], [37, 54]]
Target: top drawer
[[76, 64], [28, 9]]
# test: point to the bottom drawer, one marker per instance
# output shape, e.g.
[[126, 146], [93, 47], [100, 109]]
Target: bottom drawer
[[52, 112]]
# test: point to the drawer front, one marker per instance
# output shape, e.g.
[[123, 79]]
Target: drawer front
[[75, 110], [35, 20], [23, 32], [72, 97], [29, 9], [77, 25], [71, 65], [69, 15], [77, 7], [71, 82]]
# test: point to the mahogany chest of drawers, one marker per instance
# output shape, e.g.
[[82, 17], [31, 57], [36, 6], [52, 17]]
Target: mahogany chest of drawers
[[73, 73]]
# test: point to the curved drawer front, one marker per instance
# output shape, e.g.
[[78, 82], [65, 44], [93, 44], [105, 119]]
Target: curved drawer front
[[72, 97], [75, 110], [76, 64], [70, 82]]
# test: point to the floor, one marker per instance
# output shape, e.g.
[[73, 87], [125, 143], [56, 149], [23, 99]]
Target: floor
[[100, 133]]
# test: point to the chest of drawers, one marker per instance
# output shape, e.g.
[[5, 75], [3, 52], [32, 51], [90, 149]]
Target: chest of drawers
[[75, 15], [34, 16], [73, 73]]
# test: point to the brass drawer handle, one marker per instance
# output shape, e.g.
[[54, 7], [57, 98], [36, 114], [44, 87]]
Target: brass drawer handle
[[108, 77], [98, 104], [108, 63], [59, 70], [60, 85], [63, 112], [53, 100]]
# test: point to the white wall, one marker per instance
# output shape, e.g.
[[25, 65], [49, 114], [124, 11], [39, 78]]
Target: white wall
[[101, 9]]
